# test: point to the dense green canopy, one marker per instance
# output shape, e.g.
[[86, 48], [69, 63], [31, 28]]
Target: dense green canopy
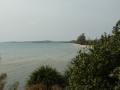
[[98, 69], [47, 76]]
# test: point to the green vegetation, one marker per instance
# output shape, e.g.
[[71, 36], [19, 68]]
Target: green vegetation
[[2, 80], [47, 76], [98, 69], [83, 40]]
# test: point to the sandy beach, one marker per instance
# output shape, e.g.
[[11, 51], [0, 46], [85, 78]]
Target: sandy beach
[[82, 46]]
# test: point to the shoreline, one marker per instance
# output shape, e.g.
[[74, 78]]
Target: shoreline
[[82, 46]]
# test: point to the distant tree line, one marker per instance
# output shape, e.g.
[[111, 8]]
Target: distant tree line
[[83, 40]]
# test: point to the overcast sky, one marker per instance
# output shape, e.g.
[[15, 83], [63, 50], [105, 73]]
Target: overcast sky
[[28, 20]]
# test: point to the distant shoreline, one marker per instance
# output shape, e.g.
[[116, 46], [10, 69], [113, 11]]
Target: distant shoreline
[[82, 46], [46, 41]]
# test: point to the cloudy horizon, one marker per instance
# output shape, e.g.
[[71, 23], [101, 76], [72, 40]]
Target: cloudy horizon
[[57, 20]]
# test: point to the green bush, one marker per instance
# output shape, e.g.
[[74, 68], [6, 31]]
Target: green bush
[[47, 76], [2, 80], [98, 69]]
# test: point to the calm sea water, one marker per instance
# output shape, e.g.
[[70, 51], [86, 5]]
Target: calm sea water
[[18, 60]]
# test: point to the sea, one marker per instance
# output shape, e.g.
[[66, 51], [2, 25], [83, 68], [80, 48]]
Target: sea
[[19, 59]]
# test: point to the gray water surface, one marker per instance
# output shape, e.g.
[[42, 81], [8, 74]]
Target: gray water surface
[[18, 60]]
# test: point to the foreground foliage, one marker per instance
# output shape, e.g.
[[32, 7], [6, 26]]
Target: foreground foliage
[[2, 80], [98, 69], [43, 87], [46, 76]]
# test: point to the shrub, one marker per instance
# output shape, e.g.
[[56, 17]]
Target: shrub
[[47, 76], [2, 80], [98, 69], [43, 87], [37, 87]]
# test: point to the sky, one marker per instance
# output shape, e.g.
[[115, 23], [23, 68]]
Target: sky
[[58, 20]]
